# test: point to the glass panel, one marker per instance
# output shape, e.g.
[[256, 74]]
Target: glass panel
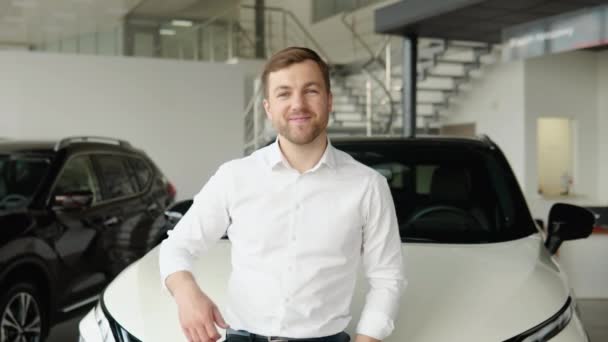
[[87, 44], [106, 43], [115, 177], [77, 176], [449, 194], [69, 45], [19, 179], [142, 172], [143, 44]]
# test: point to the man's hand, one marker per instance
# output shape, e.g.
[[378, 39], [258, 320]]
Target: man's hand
[[198, 315], [365, 338]]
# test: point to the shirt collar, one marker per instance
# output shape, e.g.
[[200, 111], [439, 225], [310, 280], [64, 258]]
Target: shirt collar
[[275, 156]]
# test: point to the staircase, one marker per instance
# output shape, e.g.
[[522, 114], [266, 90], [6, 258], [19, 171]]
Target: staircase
[[367, 94], [444, 70]]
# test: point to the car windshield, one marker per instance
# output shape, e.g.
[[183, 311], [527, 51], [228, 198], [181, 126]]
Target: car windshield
[[449, 194], [20, 177]]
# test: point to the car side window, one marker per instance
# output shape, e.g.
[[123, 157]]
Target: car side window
[[77, 176], [115, 173], [142, 170]]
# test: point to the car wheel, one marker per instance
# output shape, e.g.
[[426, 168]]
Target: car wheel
[[21, 314]]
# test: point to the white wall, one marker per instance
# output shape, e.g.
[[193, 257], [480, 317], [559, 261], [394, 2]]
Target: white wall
[[563, 85], [186, 115], [602, 127], [494, 101]]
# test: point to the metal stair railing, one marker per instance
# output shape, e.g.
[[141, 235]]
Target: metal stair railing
[[287, 21], [383, 86]]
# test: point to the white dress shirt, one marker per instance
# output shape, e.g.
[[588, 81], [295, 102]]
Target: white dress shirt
[[297, 242]]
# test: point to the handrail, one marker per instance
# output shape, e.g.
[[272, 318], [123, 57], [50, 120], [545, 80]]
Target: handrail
[[356, 35], [374, 58], [300, 26], [214, 18]]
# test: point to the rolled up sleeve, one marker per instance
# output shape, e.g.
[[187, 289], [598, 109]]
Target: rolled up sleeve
[[199, 229], [383, 263]]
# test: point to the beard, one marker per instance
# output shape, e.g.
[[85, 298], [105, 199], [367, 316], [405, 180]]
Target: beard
[[301, 134]]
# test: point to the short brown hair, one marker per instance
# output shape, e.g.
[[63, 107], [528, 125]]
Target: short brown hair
[[293, 55]]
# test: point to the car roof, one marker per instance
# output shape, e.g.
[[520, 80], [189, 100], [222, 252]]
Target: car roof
[[48, 147], [27, 146]]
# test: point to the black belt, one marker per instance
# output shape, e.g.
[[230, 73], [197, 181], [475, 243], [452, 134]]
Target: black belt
[[256, 337]]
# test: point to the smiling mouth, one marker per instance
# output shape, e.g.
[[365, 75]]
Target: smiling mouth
[[299, 119]]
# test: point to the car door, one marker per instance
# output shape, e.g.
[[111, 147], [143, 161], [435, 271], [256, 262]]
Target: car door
[[76, 233], [122, 197]]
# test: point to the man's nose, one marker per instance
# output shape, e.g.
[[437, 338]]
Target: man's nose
[[297, 102]]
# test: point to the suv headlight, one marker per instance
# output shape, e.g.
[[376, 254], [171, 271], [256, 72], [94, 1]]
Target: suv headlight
[[548, 328]]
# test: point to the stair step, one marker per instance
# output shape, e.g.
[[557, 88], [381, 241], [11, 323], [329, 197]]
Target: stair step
[[347, 107], [344, 116], [341, 99]]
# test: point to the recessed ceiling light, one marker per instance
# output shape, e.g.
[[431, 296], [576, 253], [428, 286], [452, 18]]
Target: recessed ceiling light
[[167, 32], [181, 23]]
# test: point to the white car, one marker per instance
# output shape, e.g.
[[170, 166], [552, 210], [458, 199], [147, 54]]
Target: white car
[[478, 267]]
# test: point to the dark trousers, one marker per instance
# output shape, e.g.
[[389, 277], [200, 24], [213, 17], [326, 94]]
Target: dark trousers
[[243, 336]]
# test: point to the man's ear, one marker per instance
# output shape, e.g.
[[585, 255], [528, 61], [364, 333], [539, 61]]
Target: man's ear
[[330, 102], [267, 109]]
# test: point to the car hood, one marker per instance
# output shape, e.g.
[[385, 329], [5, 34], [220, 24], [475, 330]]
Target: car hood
[[485, 292]]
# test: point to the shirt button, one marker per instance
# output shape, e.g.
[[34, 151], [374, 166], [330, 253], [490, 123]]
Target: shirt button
[[286, 300], [298, 206]]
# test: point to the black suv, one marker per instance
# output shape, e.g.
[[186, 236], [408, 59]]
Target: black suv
[[73, 214]]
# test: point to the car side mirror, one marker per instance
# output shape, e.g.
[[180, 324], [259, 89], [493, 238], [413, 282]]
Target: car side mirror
[[567, 222], [73, 200]]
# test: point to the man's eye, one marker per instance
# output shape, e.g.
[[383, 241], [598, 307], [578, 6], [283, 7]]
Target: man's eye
[[311, 91], [282, 94]]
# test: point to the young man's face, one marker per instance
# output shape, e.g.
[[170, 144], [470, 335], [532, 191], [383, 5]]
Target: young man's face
[[298, 102]]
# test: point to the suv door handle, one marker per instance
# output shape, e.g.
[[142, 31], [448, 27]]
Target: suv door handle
[[111, 221]]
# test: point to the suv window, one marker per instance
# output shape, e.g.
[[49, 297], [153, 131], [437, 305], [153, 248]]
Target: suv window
[[77, 175], [451, 194], [142, 171], [20, 177], [116, 176]]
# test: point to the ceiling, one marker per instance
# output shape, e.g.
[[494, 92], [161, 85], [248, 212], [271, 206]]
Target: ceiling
[[475, 20], [30, 22]]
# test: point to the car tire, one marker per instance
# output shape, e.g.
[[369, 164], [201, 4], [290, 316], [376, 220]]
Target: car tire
[[22, 313]]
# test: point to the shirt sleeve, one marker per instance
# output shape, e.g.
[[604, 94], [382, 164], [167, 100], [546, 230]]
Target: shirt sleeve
[[383, 263], [199, 229]]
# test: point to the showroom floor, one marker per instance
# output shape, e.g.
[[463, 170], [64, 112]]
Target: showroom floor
[[594, 314]]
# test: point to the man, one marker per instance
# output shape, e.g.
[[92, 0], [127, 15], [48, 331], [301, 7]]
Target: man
[[301, 216]]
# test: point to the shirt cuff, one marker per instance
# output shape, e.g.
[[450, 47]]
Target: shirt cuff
[[375, 324], [170, 262]]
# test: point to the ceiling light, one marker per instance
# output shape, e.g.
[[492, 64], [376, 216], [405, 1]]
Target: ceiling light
[[181, 23], [167, 32]]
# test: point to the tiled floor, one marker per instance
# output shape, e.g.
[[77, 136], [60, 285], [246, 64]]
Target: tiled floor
[[594, 313]]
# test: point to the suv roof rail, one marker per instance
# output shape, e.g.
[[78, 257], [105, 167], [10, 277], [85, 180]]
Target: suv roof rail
[[104, 140], [486, 140]]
